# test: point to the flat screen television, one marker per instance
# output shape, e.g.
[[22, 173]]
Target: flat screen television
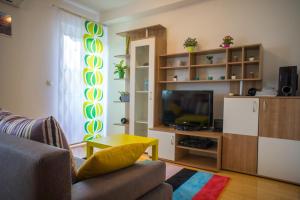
[[187, 107]]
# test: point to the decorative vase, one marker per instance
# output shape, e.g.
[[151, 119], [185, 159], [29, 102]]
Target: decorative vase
[[121, 74], [146, 85], [190, 49], [124, 98], [226, 45]]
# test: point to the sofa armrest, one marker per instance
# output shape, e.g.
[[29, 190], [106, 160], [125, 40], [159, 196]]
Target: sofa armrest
[[32, 171], [129, 183]]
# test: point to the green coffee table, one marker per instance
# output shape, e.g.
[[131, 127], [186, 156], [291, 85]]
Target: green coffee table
[[121, 139]]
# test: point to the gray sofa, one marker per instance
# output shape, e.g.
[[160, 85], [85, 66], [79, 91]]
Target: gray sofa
[[33, 171]]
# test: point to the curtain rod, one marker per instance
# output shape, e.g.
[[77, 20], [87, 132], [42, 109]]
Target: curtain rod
[[73, 13]]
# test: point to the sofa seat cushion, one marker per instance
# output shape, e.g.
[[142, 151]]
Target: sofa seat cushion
[[43, 130], [128, 183]]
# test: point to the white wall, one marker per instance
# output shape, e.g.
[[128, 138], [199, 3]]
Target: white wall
[[28, 58], [274, 23]]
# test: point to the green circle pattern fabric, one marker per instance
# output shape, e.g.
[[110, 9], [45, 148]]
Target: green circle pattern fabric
[[93, 80]]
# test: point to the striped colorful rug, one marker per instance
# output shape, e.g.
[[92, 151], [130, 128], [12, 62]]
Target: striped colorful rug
[[195, 185]]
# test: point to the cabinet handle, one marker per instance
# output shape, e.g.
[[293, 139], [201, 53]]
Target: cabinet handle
[[172, 140], [265, 106], [254, 109]]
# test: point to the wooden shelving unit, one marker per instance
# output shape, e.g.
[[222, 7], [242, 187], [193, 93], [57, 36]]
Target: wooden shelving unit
[[203, 158], [243, 62]]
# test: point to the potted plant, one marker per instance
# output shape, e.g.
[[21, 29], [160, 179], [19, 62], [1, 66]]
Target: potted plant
[[190, 44], [120, 69], [227, 41], [124, 96]]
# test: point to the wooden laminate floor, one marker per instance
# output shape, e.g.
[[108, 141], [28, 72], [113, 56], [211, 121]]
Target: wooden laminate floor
[[245, 187]]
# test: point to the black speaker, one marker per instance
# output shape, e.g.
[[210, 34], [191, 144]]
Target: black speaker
[[288, 81], [218, 125]]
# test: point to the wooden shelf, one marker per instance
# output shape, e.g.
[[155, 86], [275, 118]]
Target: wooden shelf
[[209, 65], [212, 150], [251, 62], [210, 81], [198, 162], [142, 67], [179, 67], [142, 92], [234, 63], [122, 56], [141, 122], [174, 81], [252, 79], [184, 54], [142, 31], [210, 51], [119, 124], [204, 133]]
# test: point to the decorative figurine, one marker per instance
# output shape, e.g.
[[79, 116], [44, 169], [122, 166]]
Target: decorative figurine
[[210, 59], [175, 78]]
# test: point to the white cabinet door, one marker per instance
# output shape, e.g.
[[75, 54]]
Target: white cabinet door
[[151, 84], [142, 71], [279, 158], [166, 144], [241, 116]]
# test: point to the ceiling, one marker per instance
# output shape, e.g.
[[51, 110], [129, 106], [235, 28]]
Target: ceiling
[[104, 5]]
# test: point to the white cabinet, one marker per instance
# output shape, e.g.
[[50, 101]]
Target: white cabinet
[[279, 158], [241, 116], [166, 144], [142, 79]]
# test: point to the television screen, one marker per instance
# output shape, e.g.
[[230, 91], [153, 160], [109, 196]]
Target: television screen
[[187, 107]]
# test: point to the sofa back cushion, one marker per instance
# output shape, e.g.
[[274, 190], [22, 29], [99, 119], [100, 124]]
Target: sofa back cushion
[[44, 130], [31, 170]]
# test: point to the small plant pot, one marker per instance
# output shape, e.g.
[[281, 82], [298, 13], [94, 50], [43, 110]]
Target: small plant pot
[[190, 49], [226, 45], [124, 98], [121, 75]]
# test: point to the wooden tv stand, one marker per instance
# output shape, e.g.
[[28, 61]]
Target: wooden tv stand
[[171, 150]]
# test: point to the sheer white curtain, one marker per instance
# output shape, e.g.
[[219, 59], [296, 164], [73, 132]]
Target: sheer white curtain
[[70, 81]]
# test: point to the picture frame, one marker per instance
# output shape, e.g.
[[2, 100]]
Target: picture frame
[[5, 24]]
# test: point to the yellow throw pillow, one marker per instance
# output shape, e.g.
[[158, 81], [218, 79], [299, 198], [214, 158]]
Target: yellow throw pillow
[[111, 159]]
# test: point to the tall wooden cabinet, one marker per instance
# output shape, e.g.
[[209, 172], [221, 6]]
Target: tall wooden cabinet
[[145, 45]]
